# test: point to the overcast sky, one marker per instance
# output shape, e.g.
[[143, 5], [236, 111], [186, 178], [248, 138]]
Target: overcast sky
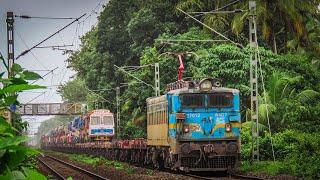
[[29, 32]]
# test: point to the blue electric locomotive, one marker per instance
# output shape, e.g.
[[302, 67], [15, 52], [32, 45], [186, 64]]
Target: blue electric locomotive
[[195, 126]]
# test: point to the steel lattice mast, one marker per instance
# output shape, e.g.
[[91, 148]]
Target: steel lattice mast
[[254, 79]]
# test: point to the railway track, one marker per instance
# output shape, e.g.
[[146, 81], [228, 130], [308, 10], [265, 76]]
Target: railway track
[[63, 170], [231, 176], [95, 176]]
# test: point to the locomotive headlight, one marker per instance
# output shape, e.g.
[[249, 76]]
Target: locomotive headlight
[[205, 85], [228, 127], [186, 128]]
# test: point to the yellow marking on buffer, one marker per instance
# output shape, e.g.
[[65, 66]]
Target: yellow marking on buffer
[[172, 126]]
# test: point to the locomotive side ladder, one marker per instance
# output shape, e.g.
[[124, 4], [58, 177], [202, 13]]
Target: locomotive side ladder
[[254, 80]]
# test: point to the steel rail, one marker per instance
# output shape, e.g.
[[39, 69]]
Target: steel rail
[[77, 168], [199, 177], [51, 169], [245, 177], [235, 176]]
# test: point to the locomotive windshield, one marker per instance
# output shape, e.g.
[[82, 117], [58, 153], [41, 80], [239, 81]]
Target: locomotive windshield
[[107, 120], [218, 100], [193, 100], [95, 120]]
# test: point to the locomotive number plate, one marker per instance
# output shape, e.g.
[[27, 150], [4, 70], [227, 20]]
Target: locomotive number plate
[[193, 115]]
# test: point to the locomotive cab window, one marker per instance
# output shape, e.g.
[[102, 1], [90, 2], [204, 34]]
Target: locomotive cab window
[[107, 120], [95, 120], [192, 100], [220, 100]]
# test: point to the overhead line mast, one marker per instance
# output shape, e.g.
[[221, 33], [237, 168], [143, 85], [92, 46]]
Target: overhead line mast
[[10, 21], [254, 80], [10, 43]]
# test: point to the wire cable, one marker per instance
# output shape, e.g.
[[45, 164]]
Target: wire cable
[[265, 101], [44, 75], [42, 17], [223, 7], [218, 33], [35, 57], [28, 50], [219, 12], [35, 98]]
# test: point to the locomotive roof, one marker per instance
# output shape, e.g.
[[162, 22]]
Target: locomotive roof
[[101, 112], [197, 90], [190, 90]]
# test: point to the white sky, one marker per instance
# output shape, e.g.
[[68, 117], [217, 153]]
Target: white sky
[[29, 32]]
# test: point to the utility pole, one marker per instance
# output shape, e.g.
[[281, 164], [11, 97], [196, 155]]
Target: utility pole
[[10, 20], [157, 79], [254, 80], [10, 43], [118, 110]]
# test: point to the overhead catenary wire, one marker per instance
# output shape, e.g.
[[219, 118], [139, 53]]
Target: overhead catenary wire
[[35, 57], [43, 17], [28, 50], [61, 39], [99, 95], [135, 68], [218, 12], [63, 49], [210, 28], [75, 37], [35, 98], [51, 71], [38, 70], [94, 10], [119, 68], [55, 46], [166, 43], [64, 74], [191, 40], [218, 9]]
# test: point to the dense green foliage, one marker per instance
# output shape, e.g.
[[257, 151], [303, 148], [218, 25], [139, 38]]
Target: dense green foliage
[[74, 91], [13, 154], [297, 153], [134, 33]]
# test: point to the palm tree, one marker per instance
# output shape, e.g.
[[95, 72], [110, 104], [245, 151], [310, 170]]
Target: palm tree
[[280, 87], [280, 20]]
